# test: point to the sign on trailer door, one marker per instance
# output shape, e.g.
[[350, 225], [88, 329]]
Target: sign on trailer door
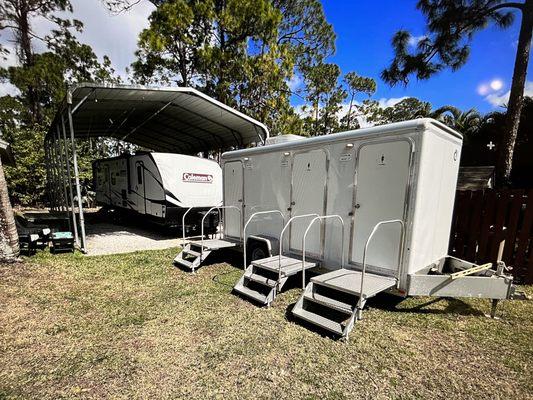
[[382, 177], [233, 197], [309, 173]]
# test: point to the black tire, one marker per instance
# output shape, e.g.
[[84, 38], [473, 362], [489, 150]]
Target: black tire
[[256, 250]]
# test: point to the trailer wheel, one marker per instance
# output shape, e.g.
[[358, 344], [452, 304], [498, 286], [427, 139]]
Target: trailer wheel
[[256, 250]]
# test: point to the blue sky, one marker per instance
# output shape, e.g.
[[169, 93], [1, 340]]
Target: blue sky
[[364, 30]]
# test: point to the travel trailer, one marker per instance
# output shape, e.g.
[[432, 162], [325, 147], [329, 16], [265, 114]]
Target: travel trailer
[[160, 186], [368, 210]]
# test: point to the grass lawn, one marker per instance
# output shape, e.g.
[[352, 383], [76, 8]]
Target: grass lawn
[[132, 326]]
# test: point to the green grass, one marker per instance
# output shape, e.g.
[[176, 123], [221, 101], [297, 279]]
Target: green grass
[[132, 326]]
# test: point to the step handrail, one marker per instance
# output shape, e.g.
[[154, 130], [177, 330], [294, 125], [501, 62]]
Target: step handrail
[[283, 232], [183, 226], [370, 237], [321, 219], [218, 208], [250, 219]]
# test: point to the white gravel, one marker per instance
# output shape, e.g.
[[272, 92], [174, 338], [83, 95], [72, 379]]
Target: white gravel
[[107, 238]]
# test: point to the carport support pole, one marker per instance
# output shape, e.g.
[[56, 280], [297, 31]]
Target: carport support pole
[[53, 191], [48, 175], [57, 182], [62, 172], [69, 175], [77, 178]]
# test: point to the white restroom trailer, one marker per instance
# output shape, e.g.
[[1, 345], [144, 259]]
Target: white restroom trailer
[[405, 173], [159, 186]]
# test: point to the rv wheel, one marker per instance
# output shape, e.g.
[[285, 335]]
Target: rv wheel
[[257, 251]]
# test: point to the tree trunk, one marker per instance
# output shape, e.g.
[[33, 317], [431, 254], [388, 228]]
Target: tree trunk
[[516, 97], [9, 240]]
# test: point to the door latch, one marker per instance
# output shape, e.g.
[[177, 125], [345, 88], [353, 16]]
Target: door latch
[[357, 206]]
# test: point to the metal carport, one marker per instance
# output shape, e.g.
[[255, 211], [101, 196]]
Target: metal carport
[[169, 119]]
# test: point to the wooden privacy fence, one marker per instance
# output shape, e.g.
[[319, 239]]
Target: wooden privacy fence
[[484, 218]]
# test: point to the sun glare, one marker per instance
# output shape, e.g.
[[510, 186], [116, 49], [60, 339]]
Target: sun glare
[[496, 84]]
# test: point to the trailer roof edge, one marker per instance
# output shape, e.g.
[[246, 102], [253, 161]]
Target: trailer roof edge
[[420, 124]]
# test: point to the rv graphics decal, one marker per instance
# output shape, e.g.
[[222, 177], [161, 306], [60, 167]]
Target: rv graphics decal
[[197, 178]]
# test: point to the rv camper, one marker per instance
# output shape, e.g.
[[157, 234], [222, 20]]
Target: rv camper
[[160, 186], [371, 208]]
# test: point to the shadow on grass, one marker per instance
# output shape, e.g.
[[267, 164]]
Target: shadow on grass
[[389, 302]]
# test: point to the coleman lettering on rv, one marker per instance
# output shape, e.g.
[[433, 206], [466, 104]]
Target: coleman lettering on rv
[[197, 178]]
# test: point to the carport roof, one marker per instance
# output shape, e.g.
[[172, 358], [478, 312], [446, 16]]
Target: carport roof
[[169, 119]]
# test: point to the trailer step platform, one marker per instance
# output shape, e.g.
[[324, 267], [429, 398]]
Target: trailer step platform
[[262, 281], [196, 251], [330, 300]]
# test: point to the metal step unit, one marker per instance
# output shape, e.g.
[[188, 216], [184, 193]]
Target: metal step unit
[[195, 252], [333, 301], [264, 278]]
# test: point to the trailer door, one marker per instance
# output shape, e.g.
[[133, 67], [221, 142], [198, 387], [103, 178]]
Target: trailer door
[[106, 187], [233, 183], [140, 187], [308, 195], [382, 179]]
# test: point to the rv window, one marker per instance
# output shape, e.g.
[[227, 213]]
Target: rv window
[[139, 175]]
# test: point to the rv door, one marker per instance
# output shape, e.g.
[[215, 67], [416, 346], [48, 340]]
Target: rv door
[[107, 184], [381, 184], [233, 196], [140, 188]]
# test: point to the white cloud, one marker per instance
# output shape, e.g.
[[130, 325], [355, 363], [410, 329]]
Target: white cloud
[[7, 88], [483, 89], [109, 34], [414, 40], [295, 82], [501, 99], [384, 102]]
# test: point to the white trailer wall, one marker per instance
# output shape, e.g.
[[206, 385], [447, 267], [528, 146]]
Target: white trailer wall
[[406, 171]]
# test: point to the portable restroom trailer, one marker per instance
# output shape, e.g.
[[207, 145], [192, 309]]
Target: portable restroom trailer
[[159, 186], [388, 189]]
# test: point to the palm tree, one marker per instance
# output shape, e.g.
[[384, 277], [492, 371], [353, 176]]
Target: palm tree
[[9, 241], [465, 122]]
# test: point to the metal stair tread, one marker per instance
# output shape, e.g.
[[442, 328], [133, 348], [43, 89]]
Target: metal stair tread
[[240, 288], [289, 265], [190, 252], [319, 320], [329, 302], [349, 281], [261, 279], [213, 244]]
